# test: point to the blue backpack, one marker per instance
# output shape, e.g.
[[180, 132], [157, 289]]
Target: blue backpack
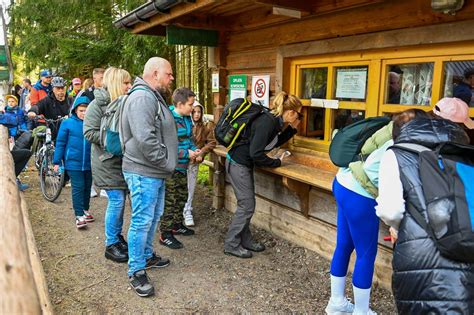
[[447, 177]]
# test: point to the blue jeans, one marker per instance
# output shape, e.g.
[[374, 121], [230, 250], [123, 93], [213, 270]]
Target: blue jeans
[[148, 200], [81, 182], [114, 215]]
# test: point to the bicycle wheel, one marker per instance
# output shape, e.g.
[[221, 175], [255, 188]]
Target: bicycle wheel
[[38, 154], [51, 182]]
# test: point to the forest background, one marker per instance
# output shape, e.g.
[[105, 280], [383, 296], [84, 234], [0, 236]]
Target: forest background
[[73, 37]]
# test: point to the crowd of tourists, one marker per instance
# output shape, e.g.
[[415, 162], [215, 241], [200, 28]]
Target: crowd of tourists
[[124, 138]]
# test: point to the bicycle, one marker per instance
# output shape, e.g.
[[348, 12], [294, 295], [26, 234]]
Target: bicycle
[[51, 182]]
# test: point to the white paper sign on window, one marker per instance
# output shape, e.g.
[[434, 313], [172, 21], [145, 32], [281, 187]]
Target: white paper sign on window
[[351, 83]]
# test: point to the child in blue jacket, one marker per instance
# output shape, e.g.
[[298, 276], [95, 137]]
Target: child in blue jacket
[[13, 117], [75, 152]]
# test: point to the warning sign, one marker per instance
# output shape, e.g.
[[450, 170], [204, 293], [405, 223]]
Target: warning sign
[[260, 89]]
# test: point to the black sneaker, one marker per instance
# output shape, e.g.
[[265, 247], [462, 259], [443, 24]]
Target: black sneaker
[[141, 284], [115, 253], [181, 229], [123, 244], [156, 261], [167, 239]]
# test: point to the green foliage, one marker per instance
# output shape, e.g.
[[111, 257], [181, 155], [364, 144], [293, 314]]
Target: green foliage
[[73, 37], [203, 175]]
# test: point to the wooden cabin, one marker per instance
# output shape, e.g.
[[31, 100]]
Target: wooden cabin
[[346, 60]]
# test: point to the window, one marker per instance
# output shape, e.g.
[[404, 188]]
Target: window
[[351, 84], [409, 84], [459, 80], [314, 83], [342, 88]]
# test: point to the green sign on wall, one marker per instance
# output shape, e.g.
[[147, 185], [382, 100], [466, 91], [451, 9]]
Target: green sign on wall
[[237, 86], [188, 36]]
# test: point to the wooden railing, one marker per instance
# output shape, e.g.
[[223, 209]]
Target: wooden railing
[[23, 288]]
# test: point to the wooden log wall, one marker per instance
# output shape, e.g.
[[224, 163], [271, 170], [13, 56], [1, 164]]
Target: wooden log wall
[[252, 49], [23, 287]]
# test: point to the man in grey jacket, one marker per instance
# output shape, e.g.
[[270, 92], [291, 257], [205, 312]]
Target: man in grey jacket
[[148, 133]]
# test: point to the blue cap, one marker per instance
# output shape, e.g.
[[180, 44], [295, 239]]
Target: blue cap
[[45, 73]]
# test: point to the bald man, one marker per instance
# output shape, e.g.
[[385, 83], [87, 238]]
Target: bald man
[[151, 151], [394, 88]]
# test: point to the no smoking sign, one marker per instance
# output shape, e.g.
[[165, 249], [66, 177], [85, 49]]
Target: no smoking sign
[[260, 89]]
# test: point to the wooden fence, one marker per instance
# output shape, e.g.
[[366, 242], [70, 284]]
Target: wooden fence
[[23, 288]]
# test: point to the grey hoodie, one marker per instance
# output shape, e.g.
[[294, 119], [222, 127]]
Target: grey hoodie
[[148, 133]]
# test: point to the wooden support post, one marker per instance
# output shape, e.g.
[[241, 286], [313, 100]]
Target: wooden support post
[[21, 277], [302, 190], [218, 199]]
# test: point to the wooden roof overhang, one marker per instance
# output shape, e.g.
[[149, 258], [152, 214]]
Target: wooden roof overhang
[[226, 15]]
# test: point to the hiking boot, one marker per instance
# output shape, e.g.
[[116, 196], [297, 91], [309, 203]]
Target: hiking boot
[[342, 308], [123, 244], [255, 247], [156, 261], [115, 253], [180, 229], [141, 284], [88, 216], [188, 218], [167, 239], [81, 222], [238, 252]]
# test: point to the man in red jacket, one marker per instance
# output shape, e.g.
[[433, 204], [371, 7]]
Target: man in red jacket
[[42, 88]]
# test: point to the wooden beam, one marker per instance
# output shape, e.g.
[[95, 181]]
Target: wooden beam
[[202, 22], [175, 12], [18, 290]]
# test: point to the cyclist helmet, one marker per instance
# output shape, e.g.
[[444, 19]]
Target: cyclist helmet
[[58, 82]]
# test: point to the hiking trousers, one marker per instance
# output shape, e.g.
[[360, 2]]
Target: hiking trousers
[[242, 181]]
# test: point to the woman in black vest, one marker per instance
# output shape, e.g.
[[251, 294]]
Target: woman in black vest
[[267, 131], [423, 281]]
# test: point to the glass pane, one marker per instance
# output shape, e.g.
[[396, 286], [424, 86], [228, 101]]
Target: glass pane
[[345, 117], [313, 83], [351, 83], [409, 84], [315, 127], [459, 80]]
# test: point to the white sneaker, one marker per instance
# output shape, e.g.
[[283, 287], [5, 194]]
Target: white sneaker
[[346, 307], [103, 193], [81, 222], [93, 193], [188, 218]]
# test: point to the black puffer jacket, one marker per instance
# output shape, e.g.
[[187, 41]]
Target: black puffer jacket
[[424, 282]]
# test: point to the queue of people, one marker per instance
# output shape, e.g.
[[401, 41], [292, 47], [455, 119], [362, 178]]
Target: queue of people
[[162, 147]]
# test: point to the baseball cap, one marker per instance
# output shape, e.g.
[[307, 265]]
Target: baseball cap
[[76, 81], [454, 109], [11, 96], [45, 73]]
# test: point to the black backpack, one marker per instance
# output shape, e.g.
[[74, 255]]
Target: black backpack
[[230, 130], [447, 177], [346, 145]]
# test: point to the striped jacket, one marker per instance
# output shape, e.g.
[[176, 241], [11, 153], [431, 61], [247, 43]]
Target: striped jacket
[[185, 140]]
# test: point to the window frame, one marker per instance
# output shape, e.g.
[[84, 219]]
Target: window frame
[[377, 62]]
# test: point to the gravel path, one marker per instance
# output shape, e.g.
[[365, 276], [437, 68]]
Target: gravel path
[[284, 279]]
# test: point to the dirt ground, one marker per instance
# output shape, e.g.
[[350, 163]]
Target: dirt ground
[[200, 279]]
